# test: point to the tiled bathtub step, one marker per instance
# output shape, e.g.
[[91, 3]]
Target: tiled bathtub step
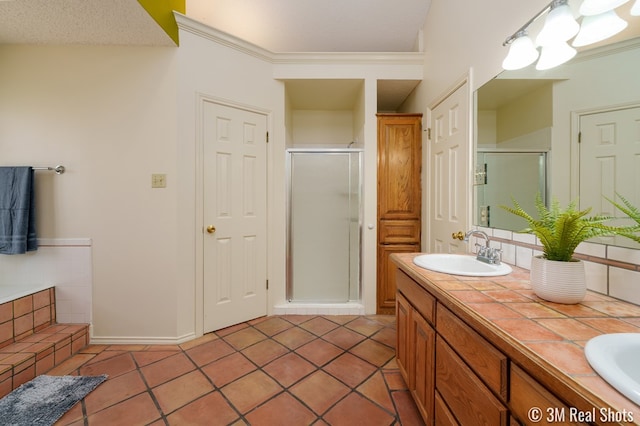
[[37, 353], [27, 315]]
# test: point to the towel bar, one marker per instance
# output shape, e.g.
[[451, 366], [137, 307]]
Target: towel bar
[[58, 169]]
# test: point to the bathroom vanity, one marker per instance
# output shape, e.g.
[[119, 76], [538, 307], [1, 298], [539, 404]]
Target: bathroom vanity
[[486, 350]]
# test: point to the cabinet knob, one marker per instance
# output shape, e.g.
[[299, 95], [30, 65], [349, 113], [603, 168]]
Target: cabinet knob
[[458, 235], [211, 229]]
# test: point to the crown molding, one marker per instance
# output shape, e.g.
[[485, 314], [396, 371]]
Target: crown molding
[[609, 49], [370, 58], [192, 26]]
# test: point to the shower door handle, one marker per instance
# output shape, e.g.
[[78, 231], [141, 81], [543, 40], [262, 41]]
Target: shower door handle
[[211, 229]]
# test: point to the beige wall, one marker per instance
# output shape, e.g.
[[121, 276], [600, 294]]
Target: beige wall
[[314, 128], [213, 70], [530, 112], [463, 39], [109, 115], [460, 35]]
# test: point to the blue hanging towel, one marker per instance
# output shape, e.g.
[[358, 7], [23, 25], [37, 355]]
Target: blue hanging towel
[[17, 210]]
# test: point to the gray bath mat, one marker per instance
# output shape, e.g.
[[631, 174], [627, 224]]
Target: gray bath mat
[[45, 399]]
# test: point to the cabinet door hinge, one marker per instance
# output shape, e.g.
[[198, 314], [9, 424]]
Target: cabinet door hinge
[[429, 133], [267, 284], [267, 137], [579, 137]]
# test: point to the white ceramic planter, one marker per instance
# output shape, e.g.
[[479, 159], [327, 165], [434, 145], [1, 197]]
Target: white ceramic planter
[[559, 282]]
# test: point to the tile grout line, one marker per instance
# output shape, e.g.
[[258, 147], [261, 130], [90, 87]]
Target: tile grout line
[[317, 336], [206, 376], [149, 390], [321, 367]]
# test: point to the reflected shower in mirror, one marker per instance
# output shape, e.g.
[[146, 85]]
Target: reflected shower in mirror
[[502, 174], [585, 114]]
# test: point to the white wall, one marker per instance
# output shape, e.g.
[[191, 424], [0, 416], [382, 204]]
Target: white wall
[[314, 128], [460, 35], [109, 115]]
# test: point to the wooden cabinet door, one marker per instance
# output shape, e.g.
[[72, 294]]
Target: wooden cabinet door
[[386, 288], [399, 166], [399, 197], [423, 389]]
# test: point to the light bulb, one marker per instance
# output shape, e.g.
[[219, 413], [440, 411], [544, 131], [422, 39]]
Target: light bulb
[[596, 7], [555, 54], [560, 25], [522, 52], [599, 27]]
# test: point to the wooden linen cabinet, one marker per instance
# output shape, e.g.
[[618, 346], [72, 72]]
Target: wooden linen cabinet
[[399, 198]]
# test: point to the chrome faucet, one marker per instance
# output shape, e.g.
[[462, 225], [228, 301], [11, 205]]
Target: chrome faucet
[[477, 234], [485, 254]]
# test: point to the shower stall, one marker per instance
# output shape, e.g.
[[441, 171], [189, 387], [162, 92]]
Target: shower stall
[[324, 226]]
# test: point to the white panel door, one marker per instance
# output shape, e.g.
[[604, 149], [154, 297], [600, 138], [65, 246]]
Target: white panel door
[[235, 215], [449, 158], [609, 160]]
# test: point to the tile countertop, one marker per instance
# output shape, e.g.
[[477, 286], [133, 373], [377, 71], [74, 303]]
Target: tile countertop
[[546, 338]]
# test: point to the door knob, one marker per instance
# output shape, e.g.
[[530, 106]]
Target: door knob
[[211, 229], [458, 235]]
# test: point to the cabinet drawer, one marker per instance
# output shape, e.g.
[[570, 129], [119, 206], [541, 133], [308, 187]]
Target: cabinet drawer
[[466, 396], [399, 231], [487, 362], [443, 415], [526, 393], [420, 298]]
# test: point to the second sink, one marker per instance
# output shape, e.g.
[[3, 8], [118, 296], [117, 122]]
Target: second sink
[[460, 264], [615, 357]]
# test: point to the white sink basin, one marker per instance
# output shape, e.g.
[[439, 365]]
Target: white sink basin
[[616, 357], [460, 264]]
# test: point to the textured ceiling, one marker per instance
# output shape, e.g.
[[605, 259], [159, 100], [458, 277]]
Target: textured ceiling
[[116, 22]]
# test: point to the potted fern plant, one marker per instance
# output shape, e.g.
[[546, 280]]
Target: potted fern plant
[[556, 275]]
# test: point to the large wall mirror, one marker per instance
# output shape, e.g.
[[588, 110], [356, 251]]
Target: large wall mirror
[[570, 133]]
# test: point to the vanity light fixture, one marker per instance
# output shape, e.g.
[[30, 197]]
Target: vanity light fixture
[[599, 22]]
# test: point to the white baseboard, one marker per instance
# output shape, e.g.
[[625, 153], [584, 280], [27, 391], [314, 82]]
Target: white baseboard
[[140, 340], [319, 309]]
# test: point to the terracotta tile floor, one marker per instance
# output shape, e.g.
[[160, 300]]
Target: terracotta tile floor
[[280, 370]]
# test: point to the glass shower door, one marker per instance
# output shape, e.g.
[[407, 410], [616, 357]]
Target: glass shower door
[[324, 226]]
